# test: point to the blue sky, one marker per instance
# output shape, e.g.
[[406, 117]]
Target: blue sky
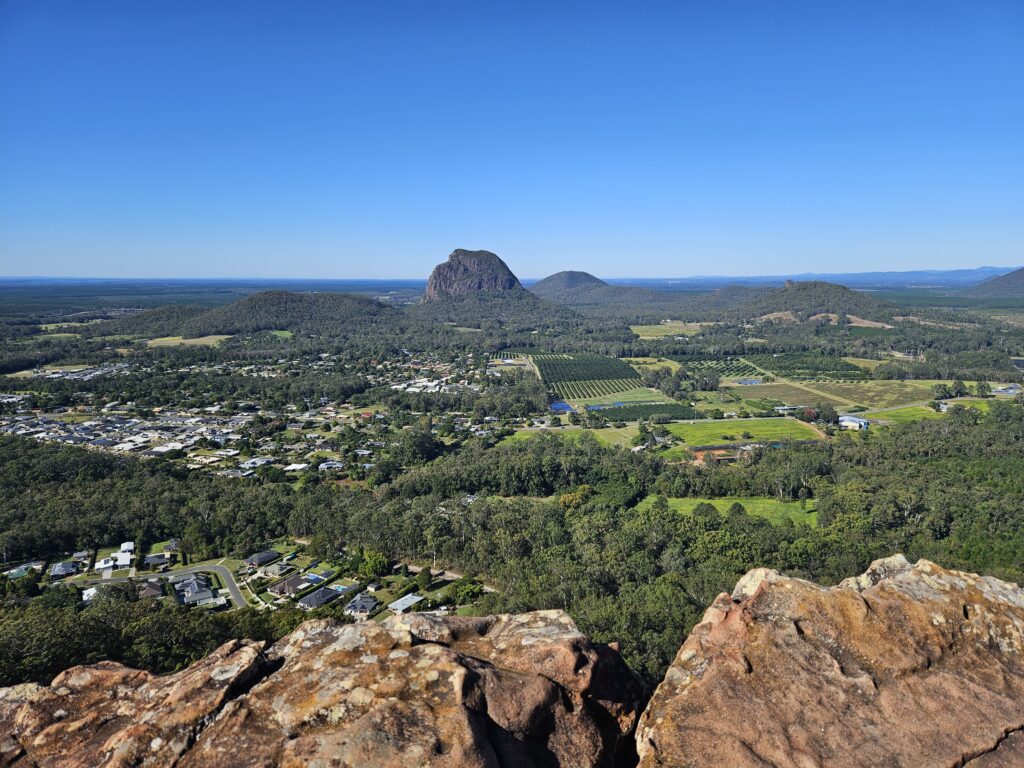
[[348, 139]]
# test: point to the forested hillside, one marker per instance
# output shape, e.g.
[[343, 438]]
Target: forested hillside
[[1005, 286], [560, 523]]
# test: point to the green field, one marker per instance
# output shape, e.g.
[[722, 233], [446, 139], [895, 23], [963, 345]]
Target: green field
[[178, 341], [724, 431], [282, 334], [905, 415], [918, 412], [671, 328], [627, 396], [772, 510], [616, 436], [643, 364]]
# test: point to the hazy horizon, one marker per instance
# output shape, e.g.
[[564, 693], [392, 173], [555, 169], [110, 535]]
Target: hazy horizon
[[528, 279], [344, 141]]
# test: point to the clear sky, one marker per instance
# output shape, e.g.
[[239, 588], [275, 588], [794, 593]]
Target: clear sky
[[368, 139]]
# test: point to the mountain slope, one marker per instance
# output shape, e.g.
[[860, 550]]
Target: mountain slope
[[329, 314], [581, 289], [813, 298], [1009, 286]]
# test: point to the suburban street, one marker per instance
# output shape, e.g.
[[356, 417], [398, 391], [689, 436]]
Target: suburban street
[[226, 578]]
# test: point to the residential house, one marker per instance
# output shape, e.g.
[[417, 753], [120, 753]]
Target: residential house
[[64, 569], [193, 588], [402, 604], [161, 560], [290, 586], [260, 559], [318, 598], [151, 589], [361, 606], [276, 570]]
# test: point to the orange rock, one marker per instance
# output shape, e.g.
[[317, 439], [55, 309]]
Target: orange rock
[[911, 666], [525, 690]]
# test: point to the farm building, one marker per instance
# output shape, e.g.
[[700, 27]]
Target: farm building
[[853, 422]]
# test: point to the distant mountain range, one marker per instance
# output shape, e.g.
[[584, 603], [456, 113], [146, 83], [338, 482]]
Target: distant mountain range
[[1008, 286], [587, 293], [474, 288], [949, 279]]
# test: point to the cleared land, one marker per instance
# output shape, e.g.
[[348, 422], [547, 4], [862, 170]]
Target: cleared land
[[905, 415], [787, 394], [877, 394], [918, 412], [864, 362], [627, 396], [178, 341], [643, 364], [670, 328], [726, 431], [772, 510]]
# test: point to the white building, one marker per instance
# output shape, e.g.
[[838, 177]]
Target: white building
[[853, 422]]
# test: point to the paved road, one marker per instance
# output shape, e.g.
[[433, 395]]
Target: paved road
[[226, 578]]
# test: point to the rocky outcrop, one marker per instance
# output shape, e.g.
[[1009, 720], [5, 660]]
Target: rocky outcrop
[[526, 690], [910, 666], [468, 272]]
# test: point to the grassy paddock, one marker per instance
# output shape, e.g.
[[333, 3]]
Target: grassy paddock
[[725, 431], [787, 394], [772, 510], [671, 328], [628, 396], [643, 364], [877, 394], [178, 341]]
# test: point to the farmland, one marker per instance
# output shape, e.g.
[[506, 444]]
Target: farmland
[[725, 367], [878, 394], [917, 412], [718, 432], [785, 393], [804, 366], [645, 411], [668, 328], [593, 378], [178, 341], [772, 510], [643, 364]]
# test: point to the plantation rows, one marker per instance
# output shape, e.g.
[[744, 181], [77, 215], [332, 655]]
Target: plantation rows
[[725, 367], [806, 366], [555, 369], [665, 410], [575, 390]]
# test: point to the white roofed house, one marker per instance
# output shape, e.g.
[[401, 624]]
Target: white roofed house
[[853, 422], [402, 604]]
